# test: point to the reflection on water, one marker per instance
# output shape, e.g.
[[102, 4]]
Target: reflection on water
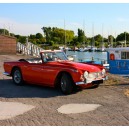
[[88, 56]]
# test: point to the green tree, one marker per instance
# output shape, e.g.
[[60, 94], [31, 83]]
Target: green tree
[[98, 40], [81, 36], [47, 33], [22, 39], [39, 36], [69, 36], [4, 31], [57, 35], [12, 34], [17, 36], [37, 39], [32, 36], [123, 36], [110, 38], [75, 41]]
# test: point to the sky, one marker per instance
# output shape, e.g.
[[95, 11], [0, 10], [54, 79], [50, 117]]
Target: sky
[[93, 18]]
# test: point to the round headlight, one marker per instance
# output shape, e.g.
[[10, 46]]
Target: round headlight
[[86, 74], [103, 71]]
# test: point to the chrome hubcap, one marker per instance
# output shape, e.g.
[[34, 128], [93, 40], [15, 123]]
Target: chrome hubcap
[[63, 84], [17, 76]]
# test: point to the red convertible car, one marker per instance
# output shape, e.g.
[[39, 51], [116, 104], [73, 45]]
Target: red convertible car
[[54, 69]]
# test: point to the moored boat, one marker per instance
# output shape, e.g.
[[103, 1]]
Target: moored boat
[[118, 60]]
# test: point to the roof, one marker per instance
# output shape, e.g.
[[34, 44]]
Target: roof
[[7, 36], [118, 49]]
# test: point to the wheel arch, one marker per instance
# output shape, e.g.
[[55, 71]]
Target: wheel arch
[[21, 80], [15, 67], [58, 77]]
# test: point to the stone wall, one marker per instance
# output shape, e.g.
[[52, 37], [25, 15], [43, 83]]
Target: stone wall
[[7, 44]]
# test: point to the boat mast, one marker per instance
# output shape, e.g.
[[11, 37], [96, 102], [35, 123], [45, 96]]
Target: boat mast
[[92, 44], [102, 45], [115, 38], [125, 39], [84, 32], [108, 40], [111, 38], [64, 35]]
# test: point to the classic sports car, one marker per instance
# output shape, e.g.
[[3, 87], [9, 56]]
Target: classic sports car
[[54, 69]]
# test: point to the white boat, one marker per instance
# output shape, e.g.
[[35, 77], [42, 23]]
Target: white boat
[[83, 49], [118, 59]]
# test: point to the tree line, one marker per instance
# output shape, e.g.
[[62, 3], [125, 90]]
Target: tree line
[[55, 37]]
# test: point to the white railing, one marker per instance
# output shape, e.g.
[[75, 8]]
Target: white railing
[[29, 49]]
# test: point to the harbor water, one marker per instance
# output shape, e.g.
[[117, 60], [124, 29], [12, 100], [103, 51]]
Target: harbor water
[[88, 56]]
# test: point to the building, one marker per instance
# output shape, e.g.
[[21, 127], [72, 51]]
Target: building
[[7, 44]]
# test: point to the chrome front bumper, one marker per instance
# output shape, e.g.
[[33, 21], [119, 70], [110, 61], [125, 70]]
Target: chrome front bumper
[[6, 73], [103, 79]]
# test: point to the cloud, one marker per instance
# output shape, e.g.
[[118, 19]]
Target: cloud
[[20, 28], [27, 29]]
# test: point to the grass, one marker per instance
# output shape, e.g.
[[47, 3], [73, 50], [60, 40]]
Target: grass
[[116, 80]]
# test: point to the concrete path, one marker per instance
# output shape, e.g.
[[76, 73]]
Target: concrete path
[[12, 109]]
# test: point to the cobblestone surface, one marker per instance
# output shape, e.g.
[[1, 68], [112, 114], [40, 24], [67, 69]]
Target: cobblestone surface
[[114, 109]]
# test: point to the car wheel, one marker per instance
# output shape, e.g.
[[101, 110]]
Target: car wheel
[[66, 84], [17, 76]]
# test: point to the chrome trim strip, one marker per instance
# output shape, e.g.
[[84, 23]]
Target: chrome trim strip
[[74, 70], [6, 73], [78, 83]]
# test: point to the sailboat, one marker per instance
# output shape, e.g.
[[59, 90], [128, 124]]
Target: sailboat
[[92, 47], [102, 48]]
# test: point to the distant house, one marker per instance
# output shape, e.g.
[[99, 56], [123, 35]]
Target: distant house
[[7, 44]]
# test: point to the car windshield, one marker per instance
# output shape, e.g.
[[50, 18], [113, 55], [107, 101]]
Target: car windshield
[[54, 56]]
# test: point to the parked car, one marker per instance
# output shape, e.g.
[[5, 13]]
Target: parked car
[[54, 69]]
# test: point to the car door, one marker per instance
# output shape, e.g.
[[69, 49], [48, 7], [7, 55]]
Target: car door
[[49, 73], [33, 73], [44, 73]]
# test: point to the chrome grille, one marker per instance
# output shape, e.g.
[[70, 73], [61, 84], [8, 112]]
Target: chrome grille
[[95, 75]]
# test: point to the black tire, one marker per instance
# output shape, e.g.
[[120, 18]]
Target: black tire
[[66, 84], [17, 77]]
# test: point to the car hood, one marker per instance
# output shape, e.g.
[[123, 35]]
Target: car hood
[[81, 66]]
